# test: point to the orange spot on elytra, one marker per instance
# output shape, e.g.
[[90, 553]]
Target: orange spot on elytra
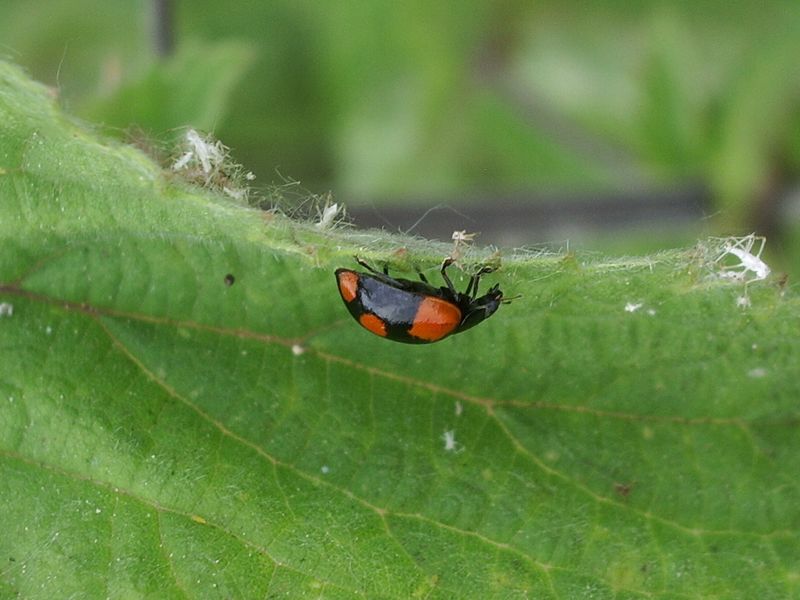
[[435, 319], [348, 285], [373, 323]]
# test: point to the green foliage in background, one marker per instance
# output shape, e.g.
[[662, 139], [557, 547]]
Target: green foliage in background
[[193, 88], [622, 430], [384, 99]]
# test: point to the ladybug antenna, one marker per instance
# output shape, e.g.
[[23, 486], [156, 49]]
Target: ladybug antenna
[[511, 299]]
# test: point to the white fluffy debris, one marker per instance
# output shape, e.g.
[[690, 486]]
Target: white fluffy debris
[[207, 162], [450, 443], [633, 306], [6, 309], [746, 252], [461, 241], [462, 237], [208, 153], [328, 215]]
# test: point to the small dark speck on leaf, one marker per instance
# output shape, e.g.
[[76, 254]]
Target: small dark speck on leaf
[[229, 279], [623, 489]]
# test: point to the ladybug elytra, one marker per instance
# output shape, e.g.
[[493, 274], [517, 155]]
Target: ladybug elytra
[[415, 312]]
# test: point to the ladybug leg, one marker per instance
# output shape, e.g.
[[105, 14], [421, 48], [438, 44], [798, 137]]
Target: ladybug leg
[[447, 262], [385, 277], [422, 277], [472, 286], [474, 281], [370, 268]]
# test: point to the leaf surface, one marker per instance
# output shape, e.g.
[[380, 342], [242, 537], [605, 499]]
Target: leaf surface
[[622, 430]]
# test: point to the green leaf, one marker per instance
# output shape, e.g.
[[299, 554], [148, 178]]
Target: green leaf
[[165, 434]]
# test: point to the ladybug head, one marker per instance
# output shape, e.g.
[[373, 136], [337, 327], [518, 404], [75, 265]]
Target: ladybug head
[[481, 308]]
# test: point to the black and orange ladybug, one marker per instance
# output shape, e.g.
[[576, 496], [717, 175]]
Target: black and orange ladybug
[[415, 312]]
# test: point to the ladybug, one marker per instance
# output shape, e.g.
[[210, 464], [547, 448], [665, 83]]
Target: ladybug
[[415, 312]]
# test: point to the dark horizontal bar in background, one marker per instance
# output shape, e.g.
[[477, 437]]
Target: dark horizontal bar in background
[[524, 219]]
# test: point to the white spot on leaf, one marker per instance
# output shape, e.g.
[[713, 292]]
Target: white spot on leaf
[[450, 443]]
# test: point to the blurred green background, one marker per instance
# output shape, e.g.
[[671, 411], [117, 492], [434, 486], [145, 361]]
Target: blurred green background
[[625, 126]]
